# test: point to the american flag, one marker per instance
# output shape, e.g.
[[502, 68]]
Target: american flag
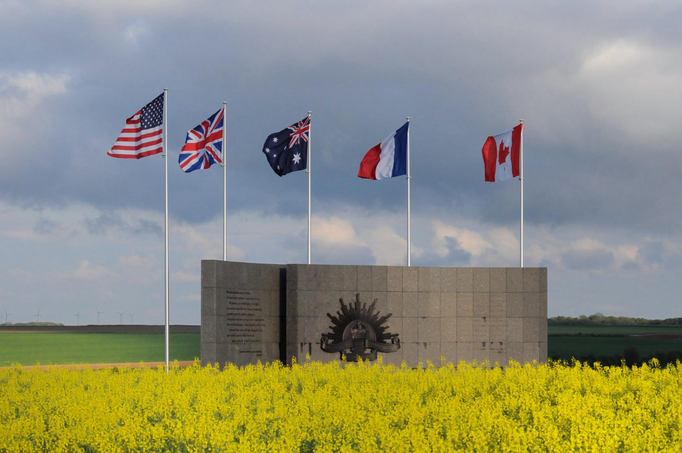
[[204, 144], [142, 135]]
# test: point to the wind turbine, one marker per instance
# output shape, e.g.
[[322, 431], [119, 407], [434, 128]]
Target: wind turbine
[[78, 318], [131, 317], [7, 316], [98, 313], [38, 316], [121, 316]]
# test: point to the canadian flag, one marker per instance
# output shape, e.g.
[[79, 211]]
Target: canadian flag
[[501, 155]]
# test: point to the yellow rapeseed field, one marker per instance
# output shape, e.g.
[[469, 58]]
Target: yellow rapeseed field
[[336, 408]]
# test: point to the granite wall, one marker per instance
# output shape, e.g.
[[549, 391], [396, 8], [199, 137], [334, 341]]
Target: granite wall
[[241, 312], [269, 312]]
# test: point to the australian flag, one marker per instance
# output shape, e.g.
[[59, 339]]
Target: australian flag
[[287, 150]]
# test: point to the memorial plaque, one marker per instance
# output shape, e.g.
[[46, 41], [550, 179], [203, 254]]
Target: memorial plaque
[[245, 320], [246, 309], [260, 312]]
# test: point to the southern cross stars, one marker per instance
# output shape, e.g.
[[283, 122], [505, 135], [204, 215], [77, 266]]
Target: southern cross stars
[[267, 150], [274, 139]]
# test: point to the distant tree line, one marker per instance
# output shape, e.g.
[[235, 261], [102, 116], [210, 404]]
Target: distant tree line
[[630, 357], [599, 319], [39, 323]]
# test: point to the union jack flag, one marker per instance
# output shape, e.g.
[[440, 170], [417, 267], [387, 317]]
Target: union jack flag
[[204, 144], [299, 131]]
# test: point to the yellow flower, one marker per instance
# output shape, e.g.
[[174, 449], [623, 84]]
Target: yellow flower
[[343, 407]]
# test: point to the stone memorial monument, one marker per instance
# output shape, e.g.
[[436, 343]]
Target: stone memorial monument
[[267, 312]]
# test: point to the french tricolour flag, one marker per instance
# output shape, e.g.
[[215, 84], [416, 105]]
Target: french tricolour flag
[[388, 158]]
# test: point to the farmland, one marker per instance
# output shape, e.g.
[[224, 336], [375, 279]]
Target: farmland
[[598, 341], [615, 330], [73, 346], [358, 407], [51, 348]]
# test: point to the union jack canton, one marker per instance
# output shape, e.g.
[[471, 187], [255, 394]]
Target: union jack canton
[[204, 144], [287, 150]]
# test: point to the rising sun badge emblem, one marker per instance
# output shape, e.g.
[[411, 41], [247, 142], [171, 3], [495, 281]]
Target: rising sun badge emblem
[[359, 332]]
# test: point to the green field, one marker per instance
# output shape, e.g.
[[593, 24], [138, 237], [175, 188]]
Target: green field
[[581, 346], [566, 342], [68, 348], [51, 348], [614, 330]]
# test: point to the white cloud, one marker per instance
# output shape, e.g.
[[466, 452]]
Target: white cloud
[[388, 247], [135, 31], [634, 88], [625, 254], [186, 277], [357, 231], [615, 56], [603, 85], [87, 271], [205, 241], [333, 230], [469, 240], [140, 270], [137, 262], [22, 92], [27, 235]]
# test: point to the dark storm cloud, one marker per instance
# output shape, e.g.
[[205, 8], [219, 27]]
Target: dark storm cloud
[[104, 223], [360, 78], [46, 226], [661, 253], [144, 226]]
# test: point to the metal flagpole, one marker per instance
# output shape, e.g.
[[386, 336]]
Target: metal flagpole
[[409, 220], [224, 165], [165, 156], [521, 179], [307, 170]]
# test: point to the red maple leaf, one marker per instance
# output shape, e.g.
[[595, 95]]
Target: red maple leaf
[[503, 153]]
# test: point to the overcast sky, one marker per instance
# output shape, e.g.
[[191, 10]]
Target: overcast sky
[[598, 84]]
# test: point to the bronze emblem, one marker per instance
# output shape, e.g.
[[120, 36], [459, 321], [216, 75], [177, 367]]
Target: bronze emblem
[[358, 332]]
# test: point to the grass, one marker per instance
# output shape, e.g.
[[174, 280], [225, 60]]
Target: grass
[[582, 341], [69, 348], [73, 348], [581, 346], [614, 330]]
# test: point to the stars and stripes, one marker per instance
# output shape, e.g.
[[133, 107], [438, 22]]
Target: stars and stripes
[[142, 135], [204, 144]]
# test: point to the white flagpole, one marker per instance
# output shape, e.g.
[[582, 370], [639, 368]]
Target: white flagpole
[[224, 165], [409, 219], [307, 170], [165, 156], [521, 179]]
